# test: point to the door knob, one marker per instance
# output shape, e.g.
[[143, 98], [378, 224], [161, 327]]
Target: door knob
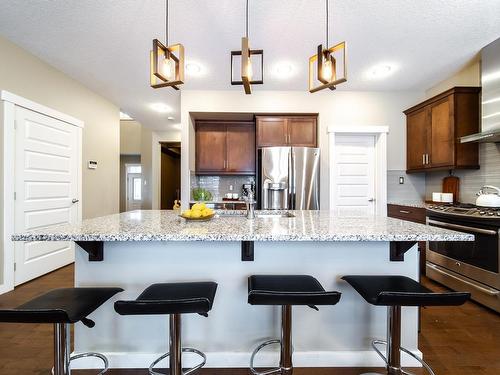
[[75, 200], [371, 200]]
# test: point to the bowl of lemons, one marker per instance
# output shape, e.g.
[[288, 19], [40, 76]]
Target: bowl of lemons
[[199, 212]]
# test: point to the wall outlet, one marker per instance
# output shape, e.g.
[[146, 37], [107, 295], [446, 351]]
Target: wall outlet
[[401, 180], [92, 164]]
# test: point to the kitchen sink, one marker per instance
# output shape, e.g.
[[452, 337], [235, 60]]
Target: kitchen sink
[[277, 214], [263, 215]]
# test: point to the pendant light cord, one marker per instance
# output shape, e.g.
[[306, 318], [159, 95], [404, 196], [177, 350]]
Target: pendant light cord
[[247, 20], [327, 24], [166, 22]]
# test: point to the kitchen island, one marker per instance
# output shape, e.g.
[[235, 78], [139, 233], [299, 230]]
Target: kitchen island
[[135, 249]]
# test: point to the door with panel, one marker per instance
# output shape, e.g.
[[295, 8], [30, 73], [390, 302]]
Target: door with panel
[[47, 166], [416, 145], [210, 147], [240, 146], [272, 131], [302, 131], [354, 175], [441, 135]]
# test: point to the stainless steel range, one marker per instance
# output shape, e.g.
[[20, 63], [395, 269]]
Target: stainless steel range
[[469, 266]]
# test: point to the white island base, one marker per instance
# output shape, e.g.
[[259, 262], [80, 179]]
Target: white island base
[[336, 336]]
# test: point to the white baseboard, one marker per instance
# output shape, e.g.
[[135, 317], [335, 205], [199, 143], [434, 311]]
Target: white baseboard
[[5, 288], [241, 360]]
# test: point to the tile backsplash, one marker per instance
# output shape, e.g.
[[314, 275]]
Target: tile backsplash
[[220, 185], [471, 180], [413, 188]]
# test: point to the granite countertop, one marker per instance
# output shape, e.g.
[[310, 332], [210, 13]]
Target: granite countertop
[[409, 203], [158, 225]]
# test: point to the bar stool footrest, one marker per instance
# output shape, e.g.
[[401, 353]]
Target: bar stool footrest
[[90, 354], [276, 370], [184, 350], [404, 350]]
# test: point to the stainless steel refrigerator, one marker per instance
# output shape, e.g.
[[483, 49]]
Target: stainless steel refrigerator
[[289, 178]]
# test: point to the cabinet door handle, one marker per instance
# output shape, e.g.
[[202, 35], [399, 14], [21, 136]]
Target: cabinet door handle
[[423, 159], [427, 158]]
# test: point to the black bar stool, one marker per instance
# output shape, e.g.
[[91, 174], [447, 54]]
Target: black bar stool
[[286, 291], [173, 299], [394, 292], [62, 307]]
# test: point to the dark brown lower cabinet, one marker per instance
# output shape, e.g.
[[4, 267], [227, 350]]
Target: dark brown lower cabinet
[[414, 214]]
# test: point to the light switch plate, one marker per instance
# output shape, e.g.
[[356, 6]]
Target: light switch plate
[[92, 164]]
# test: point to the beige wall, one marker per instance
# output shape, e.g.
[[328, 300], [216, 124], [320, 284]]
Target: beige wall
[[130, 137], [25, 75], [470, 75], [146, 163], [334, 108]]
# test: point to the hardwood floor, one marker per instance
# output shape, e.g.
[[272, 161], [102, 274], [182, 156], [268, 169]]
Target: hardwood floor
[[455, 341]]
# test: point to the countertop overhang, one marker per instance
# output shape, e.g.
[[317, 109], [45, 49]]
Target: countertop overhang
[[156, 225]]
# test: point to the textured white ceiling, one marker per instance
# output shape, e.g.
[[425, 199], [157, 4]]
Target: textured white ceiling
[[105, 43]]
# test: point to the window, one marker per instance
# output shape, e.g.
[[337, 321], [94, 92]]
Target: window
[[137, 186], [134, 169]]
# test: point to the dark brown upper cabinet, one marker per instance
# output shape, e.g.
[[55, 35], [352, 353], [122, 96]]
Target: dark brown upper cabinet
[[287, 131], [434, 128], [225, 148]]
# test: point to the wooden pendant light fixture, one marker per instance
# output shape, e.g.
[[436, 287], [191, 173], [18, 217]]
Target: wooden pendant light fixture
[[167, 62], [328, 65], [247, 70]]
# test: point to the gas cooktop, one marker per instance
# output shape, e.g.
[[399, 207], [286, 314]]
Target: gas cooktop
[[463, 209]]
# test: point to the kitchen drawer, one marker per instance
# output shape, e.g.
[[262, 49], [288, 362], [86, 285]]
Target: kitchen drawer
[[415, 214]]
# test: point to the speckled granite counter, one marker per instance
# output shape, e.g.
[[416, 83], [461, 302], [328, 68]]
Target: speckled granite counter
[[305, 226], [409, 203]]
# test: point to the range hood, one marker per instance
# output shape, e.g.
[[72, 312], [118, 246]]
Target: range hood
[[483, 137], [490, 96]]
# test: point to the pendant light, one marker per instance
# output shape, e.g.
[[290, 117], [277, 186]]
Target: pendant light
[[167, 62], [328, 65], [247, 69]]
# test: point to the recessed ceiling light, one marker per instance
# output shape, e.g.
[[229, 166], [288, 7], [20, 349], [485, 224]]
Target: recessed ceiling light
[[160, 107], [124, 116], [381, 71], [193, 69], [283, 70]]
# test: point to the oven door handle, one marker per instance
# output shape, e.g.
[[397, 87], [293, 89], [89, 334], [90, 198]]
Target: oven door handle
[[462, 227], [488, 291]]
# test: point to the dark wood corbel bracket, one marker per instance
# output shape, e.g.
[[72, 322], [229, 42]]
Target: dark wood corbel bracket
[[95, 249], [247, 251], [399, 248]]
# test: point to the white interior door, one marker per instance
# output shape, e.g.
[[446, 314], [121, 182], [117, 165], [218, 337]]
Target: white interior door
[[46, 189], [354, 174]]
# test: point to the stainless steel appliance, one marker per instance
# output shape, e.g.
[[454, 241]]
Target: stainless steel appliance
[[289, 178], [490, 87], [469, 266]]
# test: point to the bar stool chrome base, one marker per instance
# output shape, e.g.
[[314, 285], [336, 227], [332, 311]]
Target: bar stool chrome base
[[184, 350], [394, 349], [398, 370], [62, 350], [286, 348]]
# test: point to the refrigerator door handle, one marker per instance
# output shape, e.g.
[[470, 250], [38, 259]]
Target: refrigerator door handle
[[292, 179]]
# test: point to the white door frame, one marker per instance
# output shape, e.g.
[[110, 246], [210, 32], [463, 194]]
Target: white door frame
[[380, 134], [8, 103], [127, 182]]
